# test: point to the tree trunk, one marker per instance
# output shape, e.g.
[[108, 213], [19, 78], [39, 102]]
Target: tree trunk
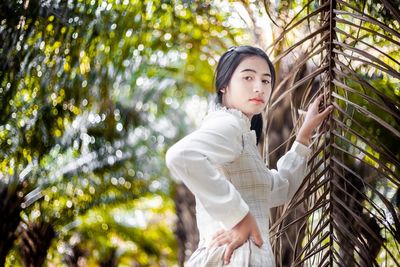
[[34, 241], [74, 256], [10, 208], [186, 228], [111, 260]]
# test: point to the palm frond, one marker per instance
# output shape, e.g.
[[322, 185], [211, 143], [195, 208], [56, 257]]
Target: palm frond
[[347, 211]]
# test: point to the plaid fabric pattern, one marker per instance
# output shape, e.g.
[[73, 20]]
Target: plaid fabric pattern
[[247, 174], [250, 184]]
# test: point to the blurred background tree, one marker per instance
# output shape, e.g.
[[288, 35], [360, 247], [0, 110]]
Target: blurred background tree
[[92, 93]]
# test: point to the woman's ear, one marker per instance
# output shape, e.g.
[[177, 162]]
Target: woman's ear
[[222, 90]]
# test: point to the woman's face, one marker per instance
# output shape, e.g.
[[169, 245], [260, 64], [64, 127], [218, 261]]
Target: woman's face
[[249, 89]]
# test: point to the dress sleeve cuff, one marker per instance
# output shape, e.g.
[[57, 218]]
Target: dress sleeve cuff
[[235, 216], [301, 149]]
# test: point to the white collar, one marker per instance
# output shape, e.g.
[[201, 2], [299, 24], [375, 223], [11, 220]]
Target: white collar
[[245, 121]]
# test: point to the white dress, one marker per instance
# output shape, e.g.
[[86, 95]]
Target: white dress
[[221, 165]]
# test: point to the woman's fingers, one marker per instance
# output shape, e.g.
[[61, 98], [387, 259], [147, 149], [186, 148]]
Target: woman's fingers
[[219, 232], [317, 101], [220, 240], [237, 236], [325, 112], [229, 250], [314, 117], [257, 237]]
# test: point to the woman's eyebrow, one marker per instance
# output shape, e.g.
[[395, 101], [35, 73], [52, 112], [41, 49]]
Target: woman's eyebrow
[[266, 74]]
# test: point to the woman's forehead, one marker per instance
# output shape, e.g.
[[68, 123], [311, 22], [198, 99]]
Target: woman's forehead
[[254, 64]]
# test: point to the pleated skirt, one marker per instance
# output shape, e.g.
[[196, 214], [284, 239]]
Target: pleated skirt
[[247, 255]]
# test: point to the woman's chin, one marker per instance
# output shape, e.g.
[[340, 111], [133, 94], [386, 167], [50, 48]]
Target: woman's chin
[[255, 111]]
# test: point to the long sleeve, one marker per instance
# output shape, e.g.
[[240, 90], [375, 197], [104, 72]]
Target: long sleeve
[[194, 159], [289, 174]]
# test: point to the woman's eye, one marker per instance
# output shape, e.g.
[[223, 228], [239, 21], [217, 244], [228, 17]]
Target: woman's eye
[[248, 78], [266, 81]]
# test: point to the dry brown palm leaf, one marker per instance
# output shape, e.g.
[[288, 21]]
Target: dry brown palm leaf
[[347, 211]]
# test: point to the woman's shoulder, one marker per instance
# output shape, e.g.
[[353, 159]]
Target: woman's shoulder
[[220, 135]]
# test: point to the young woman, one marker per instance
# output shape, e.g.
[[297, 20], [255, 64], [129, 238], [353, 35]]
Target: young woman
[[221, 165]]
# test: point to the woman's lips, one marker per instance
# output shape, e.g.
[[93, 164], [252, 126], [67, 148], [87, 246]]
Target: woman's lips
[[257, 100]]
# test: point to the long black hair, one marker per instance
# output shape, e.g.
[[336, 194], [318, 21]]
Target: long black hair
[[228, 63]]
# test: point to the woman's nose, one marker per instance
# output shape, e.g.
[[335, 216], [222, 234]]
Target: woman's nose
[[258, 87]]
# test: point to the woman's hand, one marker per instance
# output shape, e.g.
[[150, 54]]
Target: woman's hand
[[313, 119], [235, 237]]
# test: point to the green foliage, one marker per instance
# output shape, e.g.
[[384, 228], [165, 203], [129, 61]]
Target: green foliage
[[91, 94]]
